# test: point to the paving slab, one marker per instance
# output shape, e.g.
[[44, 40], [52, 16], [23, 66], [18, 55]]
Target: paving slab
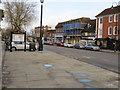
[[28, 70]]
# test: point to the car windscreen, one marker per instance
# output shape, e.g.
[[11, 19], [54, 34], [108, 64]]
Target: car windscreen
[[18, 42]]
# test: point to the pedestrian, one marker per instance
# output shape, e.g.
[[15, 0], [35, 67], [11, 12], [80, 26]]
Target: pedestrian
[[32, 46], [116, 46], [36, 45], [6, 45], [100, 44]]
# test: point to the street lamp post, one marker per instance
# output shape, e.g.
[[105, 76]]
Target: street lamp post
[[41, 32]]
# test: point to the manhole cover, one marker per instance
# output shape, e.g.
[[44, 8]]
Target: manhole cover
[[80, 75], [85, 80], [5, 67], [5, 73], [5, 82], [88, 87], [48, 65]]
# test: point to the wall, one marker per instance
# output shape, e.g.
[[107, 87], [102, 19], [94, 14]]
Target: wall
[[2, 53]]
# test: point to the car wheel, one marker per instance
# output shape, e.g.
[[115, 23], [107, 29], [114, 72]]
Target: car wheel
[[92, 49], [14, 49]]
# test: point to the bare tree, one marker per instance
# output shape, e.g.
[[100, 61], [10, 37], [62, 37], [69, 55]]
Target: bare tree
[[19, 14]]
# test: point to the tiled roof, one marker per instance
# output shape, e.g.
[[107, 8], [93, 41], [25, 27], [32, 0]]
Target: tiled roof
[[109, 11]]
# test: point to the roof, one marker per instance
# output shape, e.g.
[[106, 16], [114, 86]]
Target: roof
[[59, 25], [109, 11]]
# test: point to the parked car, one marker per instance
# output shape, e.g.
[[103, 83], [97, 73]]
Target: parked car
[[59, 44], [19, 45], [51, 43], [79, 46], [68, 45], [92, 47], [46, 42]]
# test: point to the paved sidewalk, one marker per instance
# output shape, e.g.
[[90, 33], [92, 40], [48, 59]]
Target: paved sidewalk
[[109, 51], [35, 70]]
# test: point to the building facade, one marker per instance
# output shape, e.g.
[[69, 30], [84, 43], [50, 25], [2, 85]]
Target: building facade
[[77, 30], [108, 26], [59, 33], [37, 33], [48, 33]]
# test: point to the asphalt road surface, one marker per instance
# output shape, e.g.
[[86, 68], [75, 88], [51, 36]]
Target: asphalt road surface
[[104, 60]]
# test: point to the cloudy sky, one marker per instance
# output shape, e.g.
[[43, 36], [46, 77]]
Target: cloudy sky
[[56, 11]]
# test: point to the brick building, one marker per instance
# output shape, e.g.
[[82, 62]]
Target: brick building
[[48, 33], [108, 26], [77, 30], [59, 32], [37, 33]]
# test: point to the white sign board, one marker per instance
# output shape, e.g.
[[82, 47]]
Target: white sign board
[[18, 37]]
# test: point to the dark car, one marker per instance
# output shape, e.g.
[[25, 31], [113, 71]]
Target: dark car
[[79, 46], [59, 44]]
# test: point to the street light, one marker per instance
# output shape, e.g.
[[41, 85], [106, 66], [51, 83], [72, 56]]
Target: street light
[[41, 32]]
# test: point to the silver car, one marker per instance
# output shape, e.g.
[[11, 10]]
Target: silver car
[[68, 45], [19, 45], [92, 47], [79, 46]]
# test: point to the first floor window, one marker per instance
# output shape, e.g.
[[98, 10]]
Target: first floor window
[[115, 30], [101, 20], [110, 18], [110, 30]]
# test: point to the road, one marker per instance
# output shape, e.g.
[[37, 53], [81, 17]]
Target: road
[[104, 60]]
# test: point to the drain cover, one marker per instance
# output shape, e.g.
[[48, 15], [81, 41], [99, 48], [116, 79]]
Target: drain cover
[[6, 73], [5, 82], [85, 80], [80, 75], [48, 65], [5, 67], [88, 87]]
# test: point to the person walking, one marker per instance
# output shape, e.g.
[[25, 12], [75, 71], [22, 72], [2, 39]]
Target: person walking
[[32, 46]]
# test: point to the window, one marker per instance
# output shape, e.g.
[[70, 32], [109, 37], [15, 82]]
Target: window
[[110, 18], [110, 30], [115, 18], [101, 20], [115, 30]]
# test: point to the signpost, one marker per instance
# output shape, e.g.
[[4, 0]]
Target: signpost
[[20, 37]]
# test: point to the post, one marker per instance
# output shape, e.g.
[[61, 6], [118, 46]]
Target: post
[[11, 41], [25, 41], [41, 32]]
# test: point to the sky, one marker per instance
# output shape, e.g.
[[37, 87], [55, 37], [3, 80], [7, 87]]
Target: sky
[[55, 11]]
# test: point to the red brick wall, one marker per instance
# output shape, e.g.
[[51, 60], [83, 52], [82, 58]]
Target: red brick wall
[[106, 24]]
